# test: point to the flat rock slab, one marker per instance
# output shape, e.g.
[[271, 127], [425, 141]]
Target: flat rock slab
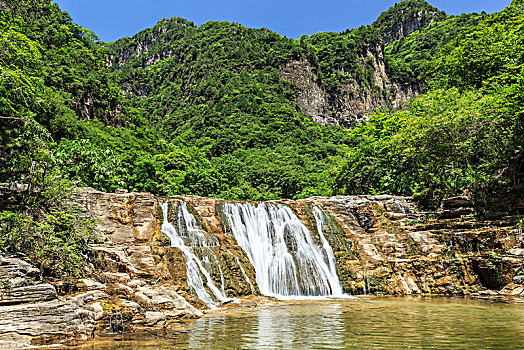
[[31, 324], [27, 294]]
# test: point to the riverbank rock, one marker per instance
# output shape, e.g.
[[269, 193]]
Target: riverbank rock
[[28, 294], [30, 312], [44, 323], [168, 301], [382, 245]]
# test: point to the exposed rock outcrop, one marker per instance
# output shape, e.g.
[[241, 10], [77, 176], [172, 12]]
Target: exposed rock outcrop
[[405, 18], [398, 250], [382, 244], [353, 102], [30, 312], [126, 218], [16, 272]]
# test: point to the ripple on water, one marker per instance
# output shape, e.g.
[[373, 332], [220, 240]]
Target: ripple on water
[[378, 323]]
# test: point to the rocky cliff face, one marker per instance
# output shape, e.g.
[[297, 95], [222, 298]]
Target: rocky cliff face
[[352, 102], [382, 245], [405, 18]]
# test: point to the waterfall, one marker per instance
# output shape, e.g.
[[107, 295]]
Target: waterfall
[[189, 235], [286, 259], [321, 218], [243, 272]]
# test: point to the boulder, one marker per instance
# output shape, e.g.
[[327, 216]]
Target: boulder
[[84, 298], [90, 284], [399, 206], [455, 207], [97, 310], [456, 212], [166, 299], [15, 272], [132, 305], [519, 279], [116, 277], [136, 283], [153, 318], [455, 202], [513, 289]]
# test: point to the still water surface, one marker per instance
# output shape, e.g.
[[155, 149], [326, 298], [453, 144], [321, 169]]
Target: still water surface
[[372, 323]]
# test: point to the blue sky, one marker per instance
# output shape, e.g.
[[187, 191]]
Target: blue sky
[[113, 19]]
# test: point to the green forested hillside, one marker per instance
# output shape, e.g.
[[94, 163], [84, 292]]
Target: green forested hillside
[[465, 135], [408, 58], [218, 89], [179, 109], [205, 110]]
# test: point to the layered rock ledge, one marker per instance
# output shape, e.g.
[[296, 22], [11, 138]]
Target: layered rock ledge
[[136, 280]]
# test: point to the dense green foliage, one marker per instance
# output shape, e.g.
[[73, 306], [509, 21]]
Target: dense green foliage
[[207, 111], [218, 89], [466, 136], [408, 58], [53, 80]]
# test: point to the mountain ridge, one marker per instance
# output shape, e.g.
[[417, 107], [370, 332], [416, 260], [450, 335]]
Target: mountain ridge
[[336, 103], [220, 109]]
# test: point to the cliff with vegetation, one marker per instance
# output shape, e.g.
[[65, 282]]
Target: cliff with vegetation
[[134, 280], [418, 104]]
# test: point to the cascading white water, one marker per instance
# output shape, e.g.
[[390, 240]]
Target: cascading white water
[[321, 218], [188, 230], [286, 259]]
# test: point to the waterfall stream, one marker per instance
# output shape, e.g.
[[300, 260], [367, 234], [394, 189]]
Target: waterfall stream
[[189, 235], [321, 217], [286, 259]]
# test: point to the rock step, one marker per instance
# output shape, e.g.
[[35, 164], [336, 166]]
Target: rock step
[[27, 325], [28, 294]]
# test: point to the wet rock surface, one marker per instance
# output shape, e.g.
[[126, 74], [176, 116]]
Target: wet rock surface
[[382, 245]]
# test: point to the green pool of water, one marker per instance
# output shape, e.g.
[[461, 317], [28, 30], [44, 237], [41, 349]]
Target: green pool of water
[[371, 323]]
